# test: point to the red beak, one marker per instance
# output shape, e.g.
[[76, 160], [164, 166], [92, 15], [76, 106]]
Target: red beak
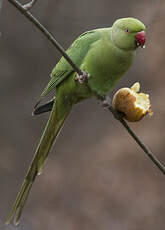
[[140, 39]]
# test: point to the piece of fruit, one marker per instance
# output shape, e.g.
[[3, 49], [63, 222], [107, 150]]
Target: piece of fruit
[[133, 104]]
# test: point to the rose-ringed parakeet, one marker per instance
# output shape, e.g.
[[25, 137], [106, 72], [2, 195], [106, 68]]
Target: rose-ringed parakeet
[[105, 54]]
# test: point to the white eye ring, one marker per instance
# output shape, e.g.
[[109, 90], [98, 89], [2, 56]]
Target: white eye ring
[[127, 31]]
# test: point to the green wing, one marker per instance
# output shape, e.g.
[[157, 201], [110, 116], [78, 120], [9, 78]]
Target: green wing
[[77, 52]]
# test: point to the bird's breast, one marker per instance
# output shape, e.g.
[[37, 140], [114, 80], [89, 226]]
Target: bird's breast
[[106, 65]]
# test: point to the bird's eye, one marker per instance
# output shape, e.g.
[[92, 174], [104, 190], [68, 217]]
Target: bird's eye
[[127, 31]]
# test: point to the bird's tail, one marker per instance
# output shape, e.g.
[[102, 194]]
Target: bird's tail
[[53, 127]]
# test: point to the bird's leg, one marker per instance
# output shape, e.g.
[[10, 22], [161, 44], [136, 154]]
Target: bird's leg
[[82, 78], [107, 104]]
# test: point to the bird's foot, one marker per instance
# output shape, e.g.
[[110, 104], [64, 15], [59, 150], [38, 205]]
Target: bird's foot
[[83, 78], [107, 102]]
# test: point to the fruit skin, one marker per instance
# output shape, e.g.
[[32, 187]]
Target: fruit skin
[[125, 99]]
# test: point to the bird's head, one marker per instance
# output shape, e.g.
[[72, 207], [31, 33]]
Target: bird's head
[[128, 33]]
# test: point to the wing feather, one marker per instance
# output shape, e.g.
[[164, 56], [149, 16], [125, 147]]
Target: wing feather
[[77, 52]]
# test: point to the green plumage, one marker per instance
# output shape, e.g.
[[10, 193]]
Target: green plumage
[[106, 54]]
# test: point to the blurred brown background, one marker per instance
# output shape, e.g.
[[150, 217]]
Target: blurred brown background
[[96, 178]]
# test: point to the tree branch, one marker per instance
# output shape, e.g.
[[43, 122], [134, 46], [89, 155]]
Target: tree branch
[[138, 141], [64, 54]]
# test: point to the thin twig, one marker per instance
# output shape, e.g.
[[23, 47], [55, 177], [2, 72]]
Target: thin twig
[[62, 51], [139, 142], [46, 33], [29, 5]]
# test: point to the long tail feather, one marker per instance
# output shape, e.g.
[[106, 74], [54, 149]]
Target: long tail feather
[[53, 127]]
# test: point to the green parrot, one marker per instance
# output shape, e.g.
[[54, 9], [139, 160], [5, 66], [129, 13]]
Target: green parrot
[[104, 55]]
